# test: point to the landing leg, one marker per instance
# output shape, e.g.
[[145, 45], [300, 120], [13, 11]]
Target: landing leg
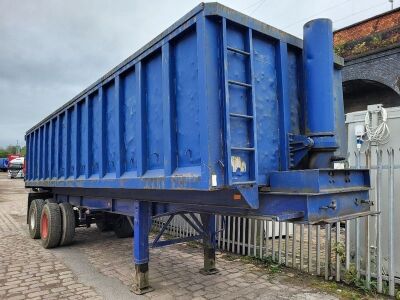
[[208, 221], [142, 225]]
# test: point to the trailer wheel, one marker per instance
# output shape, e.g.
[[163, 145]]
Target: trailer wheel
[[106, 223], [103, 226], [34, 215], [122, 227], [50, 225], [68, 224]]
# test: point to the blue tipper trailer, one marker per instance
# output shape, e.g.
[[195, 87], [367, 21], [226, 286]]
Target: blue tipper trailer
[[219, 114], [3, 163]]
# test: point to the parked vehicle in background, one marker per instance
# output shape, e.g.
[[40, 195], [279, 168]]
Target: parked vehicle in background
[[3, 164], [10, 157], [16, 168]]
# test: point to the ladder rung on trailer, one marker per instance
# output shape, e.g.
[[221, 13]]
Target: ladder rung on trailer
[[234, 82], [242, 148], [239, 51], [241, 116], [247, 175], [244, 182]]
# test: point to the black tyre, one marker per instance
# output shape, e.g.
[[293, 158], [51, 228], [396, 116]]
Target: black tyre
[[34, 215], [50, 225], [122, 227], [104, 226], [105, 223], [67, 224], [50, 200]]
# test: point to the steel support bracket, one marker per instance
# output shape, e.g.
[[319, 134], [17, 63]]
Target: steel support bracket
[[250, 195], [195, 224], [319, 194], [159, 244], [299, 145]]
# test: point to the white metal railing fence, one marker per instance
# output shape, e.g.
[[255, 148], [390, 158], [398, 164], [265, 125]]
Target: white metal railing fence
[[360, 251]]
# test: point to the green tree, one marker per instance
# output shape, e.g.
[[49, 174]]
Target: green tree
[[11, 149]]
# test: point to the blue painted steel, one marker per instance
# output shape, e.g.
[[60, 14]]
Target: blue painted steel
[[177, 241], [284, 103], [319, 181], [162, 230], [3, 163], [240, 115], [208, 222], [320, 121], [199, 117], [209, 243], [142, 225], [318, 61], [203, 232], [306, 205], [176, 144], [299, 146], [317, 207]]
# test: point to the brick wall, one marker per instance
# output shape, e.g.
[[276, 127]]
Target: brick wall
[[382, 67], [363, 29]]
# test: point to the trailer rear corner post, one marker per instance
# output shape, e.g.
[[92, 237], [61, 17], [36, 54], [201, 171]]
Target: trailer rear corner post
[[208, 221], [142, 226]]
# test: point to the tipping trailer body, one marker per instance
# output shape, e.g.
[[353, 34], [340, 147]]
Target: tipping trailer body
[[219, 114], [3, 164], [205, 111]]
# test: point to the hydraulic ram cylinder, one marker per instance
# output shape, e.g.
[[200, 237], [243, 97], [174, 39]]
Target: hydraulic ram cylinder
[[318, 80]]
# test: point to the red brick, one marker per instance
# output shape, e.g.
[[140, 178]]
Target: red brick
[[374, 25]]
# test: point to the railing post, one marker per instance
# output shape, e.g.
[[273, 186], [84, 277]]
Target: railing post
[[327, 251], [337, 252], [391, 222], [378, 222], [318, 259]]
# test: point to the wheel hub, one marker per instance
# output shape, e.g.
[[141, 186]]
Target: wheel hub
[[44, 228], [32, 221]]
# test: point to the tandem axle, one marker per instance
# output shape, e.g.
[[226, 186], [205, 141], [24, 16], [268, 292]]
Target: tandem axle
[[55, 223]]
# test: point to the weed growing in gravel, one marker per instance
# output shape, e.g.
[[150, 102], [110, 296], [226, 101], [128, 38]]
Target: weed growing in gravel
[[265, 263]]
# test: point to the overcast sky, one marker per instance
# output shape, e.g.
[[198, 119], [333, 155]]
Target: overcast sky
[[51, 50]]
